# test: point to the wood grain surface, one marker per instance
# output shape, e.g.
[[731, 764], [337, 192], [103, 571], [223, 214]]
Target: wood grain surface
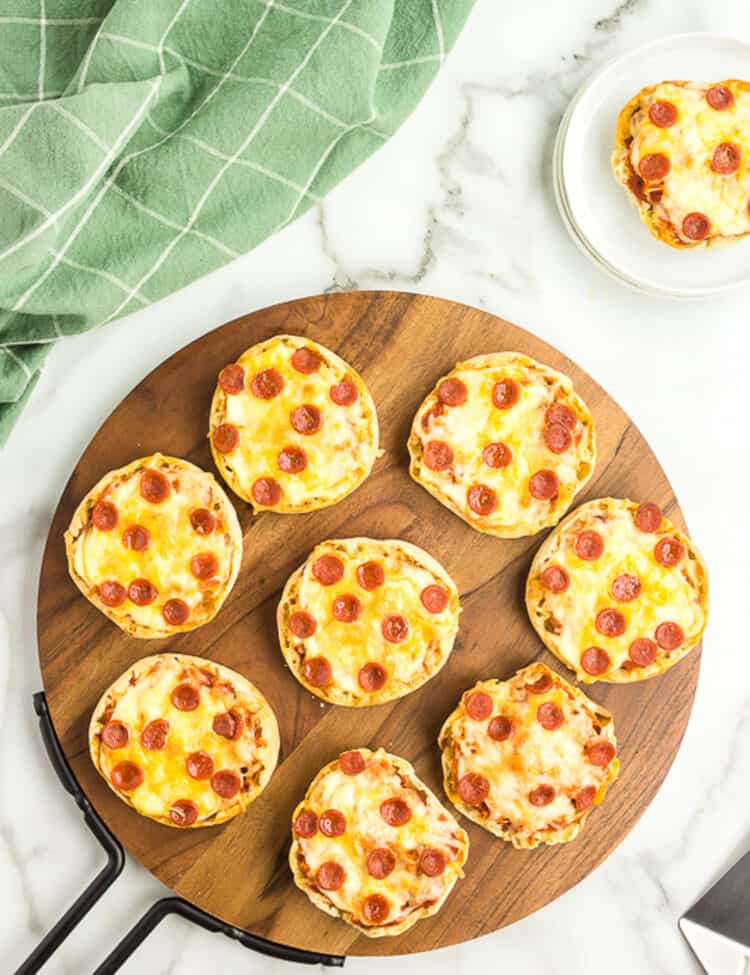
[[400, 343]]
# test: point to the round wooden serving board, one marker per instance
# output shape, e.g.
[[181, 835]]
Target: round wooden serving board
[[400, 343]]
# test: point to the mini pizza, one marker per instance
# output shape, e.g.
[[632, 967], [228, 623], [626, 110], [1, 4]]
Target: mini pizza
[[372, 845], [617, 593], [293, 427], [184, 741], [528, 758], [364, 621], [504, 442], [156, 546], [683, 151]]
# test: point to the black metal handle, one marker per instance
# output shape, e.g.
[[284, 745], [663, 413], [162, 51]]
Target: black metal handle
[[176, 905]]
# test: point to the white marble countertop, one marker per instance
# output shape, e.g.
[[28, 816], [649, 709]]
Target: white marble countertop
[[454, 207]]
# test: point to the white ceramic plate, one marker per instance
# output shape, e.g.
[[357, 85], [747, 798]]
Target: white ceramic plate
[[596, 208]]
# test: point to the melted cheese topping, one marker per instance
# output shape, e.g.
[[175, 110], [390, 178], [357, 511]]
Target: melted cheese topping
[[339, 455], [531, 756], [348, 646], [468, 428], [102, 556], [358, 797], [668, 594], [691, 186], [165, 777]]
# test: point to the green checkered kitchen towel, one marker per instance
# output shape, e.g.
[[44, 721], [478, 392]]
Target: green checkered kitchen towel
[[144, 143]]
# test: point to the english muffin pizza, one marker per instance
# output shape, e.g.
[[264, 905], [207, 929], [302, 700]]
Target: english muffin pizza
[[372, 845], [156, 546], [528, 758], [184, 741], [683, 152], [504, 442], [617, 593], [364, 621], [293, 427]]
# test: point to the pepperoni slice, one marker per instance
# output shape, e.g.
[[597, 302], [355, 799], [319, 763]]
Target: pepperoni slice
[[306, 361], [142, 592], [228, 724], [154, 735], [663, 113], [497, 455], [601, 753], [544, 485], [542, 795], [154, 486], [205, 565], [370, 575], [429, 415], [437, 455], [610, 622], [720, 97], [328, 570], [550, 716], [184, 812], [395, 628], [292, 460], [346, 608], [642, 652], [375, 908], [226, 437], [330, 875], [302, 624], [473, 788], [332, 823], [452, 392], [232, 379], [434, 598], [199, 765], [696, 226], [175, 612], [126, 776], [226, 783], [626, 587], [317, 671], [584, 798], [344, 393], [555, 578], [669, 636], [137, 538], [726, 158], [557, 437], [306, 823], [500, 728], [479, 705], [351, 763], [654, 166], [637, 187], [595, 661], [267, 384], [561, 414], [104, 516], [589, 546], [203, 521], [669, 551], [481, 499], [380, 862], [648, 517], [186, 697], [505, 394], [112, 593], [115, 734], [372, 677], [541, 685], [266, 492], [306, 419], [395, 812]]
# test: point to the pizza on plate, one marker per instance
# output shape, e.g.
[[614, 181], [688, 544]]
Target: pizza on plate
[[528, 758]]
